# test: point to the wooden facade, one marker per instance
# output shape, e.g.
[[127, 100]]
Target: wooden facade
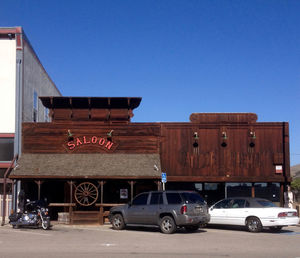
[[211, 148], [244, 158]]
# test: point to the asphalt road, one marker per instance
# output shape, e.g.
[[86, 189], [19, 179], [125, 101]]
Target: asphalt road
[[102, 241]]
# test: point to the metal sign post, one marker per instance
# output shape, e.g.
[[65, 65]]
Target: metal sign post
[[164, 179]]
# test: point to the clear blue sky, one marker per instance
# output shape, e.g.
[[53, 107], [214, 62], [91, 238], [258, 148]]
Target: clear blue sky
[[179, 56]]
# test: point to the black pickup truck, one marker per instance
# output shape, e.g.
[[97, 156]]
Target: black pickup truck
[[165, 209]]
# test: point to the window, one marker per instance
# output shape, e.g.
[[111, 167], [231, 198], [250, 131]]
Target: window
[[35, 107], [211, 186], [238, 203], [193, 198], [140, 199], [173, 198], [266, 203], [156, 198], [6, 149], [238, 189], [223, 204], [46, 112], [270, 191]]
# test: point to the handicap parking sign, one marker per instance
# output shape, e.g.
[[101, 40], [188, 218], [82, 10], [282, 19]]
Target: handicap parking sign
[[164, 177]]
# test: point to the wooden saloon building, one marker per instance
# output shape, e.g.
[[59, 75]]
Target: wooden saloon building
[[91, 156]]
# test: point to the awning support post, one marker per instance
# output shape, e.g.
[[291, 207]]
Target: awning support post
[[6, 174], [39, 183]]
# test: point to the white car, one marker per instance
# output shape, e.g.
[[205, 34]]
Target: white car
[[254, 213]]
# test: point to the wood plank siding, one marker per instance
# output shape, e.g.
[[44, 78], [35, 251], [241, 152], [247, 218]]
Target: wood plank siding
[[252, 149], [244, 158]]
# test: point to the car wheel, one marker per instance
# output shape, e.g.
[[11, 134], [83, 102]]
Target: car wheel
[[253, 224], [275, 229], [118, 222], [192, 228], [167, 225]]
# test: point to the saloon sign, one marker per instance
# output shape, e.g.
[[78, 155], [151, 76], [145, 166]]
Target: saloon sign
[[83, 141]]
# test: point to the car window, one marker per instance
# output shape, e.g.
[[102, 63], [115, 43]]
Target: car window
[[140, 199], [173, 198], [247, 204], [238, 203], [224, 204], [266, 203], [156, 198], [193, 198]]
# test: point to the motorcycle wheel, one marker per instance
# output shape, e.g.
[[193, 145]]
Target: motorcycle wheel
[[45, 225]]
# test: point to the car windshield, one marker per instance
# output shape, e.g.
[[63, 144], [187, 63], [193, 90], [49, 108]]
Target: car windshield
[[193, 198], [265, 203]]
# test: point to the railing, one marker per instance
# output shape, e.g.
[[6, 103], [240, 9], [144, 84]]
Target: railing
[[102, 212]]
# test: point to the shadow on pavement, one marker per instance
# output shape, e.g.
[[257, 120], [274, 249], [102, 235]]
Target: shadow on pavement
[[156, 229], [240, 228]]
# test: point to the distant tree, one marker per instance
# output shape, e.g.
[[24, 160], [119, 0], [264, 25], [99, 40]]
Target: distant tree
[[295, 185]]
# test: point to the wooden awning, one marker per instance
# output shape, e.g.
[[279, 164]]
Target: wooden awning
[[94, 166]]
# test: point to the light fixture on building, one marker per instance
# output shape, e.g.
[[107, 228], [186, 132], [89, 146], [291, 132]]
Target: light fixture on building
[[224, 137], [109, 135], [253, 137], [196, 138], [70, 136]]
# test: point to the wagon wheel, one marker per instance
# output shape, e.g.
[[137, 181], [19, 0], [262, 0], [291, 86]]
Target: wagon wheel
[[86, 194]]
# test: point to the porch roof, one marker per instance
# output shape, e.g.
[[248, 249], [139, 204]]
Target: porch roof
[[87, 166]]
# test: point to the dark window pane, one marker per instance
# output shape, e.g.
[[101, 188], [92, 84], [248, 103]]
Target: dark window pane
[[156, 198], [269, 191], [265, 203], [238, 189], [173, 198], [238, 203], [223, 204], [211, 186], [193, 198], [6, 149], [140, 199], [2, 172]]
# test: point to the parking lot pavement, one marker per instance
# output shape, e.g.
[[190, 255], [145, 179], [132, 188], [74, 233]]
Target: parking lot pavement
[[96, 241]]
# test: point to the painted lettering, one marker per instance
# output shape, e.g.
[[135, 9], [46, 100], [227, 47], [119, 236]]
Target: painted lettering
[[109, 145], [101, 141], [71, 145], [85, 141], [78, 142], [94, 139]]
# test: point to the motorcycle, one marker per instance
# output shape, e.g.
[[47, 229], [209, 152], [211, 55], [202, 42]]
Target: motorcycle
[[35, 215]]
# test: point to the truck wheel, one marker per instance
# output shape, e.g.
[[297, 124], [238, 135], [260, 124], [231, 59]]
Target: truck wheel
[[167, 225], [253, 224], [118, 222]]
